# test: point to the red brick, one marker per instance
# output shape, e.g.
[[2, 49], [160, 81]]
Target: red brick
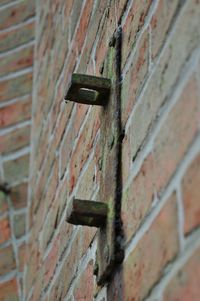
[[82, 27], [65, 232], [3, 202], [105, 35], [160, 23], [19, 225], [191, 202], [69, 267], [62, 197], [15, 140], [8, 290], [17, 13], [38, 285], [7, 260], [135, 77], [33, 259], [74, 16], [16, 87], [22, 251], [66, 148], [95, 24], [176, 134], [145, 264], [85, 285], [136, 201], [84, 146], [88, 181], [16, 37], [16, 112], [16, 61], [49, 225], [17, 169], [51, 188], [51, 262], [134, 22], [184, 286], [166, 73], [5, 233], [18, 195]]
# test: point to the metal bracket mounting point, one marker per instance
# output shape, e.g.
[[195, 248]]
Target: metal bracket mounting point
[[87, 213], [88, 89]]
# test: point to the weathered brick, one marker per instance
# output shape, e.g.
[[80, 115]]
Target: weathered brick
[[133, 24], [190, 190], [22, 250], [183, 41], [51, 188], [176, 134], [105, 35], [82, 27], [5, 233], [184, 285], [136, 201], [15, 87], [69, 267], [33, 259], [7, 260], [145, 264], [16, 61], [74, 16], [51, 262], [88, 184], [19, 225], [16, 112], [160, 23], [15, 140], [85, 285], [9, 291], [3, 202], [49, 226], [17, 13], [84, 145], [39, 282], [17, 169], [62, 197], [69, 139], [56, 267], [95, 23], [135, 77], [18, 195], [16, 37]]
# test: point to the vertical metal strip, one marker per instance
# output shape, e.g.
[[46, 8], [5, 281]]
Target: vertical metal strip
[[109, 250]]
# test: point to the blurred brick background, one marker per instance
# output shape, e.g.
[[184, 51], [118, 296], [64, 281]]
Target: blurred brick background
[[17, 23], [41, 256]]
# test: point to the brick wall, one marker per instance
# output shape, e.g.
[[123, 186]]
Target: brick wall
[[160, 101], [16, 60]]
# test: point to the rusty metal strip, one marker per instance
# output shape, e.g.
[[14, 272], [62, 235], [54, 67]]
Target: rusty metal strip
[[109, 249]]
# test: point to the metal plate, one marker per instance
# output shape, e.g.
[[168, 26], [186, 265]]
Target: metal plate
[[109, 249]]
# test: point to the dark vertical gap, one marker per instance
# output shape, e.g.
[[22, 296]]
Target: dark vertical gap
[[116, 282], [118, 222]]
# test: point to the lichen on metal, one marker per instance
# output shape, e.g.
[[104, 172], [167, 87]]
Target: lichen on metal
[[88, 89]]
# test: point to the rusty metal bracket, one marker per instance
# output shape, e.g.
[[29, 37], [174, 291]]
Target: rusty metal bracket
[[88, 89], [87, 213], [110, 238], [105, 215]]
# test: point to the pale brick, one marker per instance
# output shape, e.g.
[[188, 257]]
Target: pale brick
[[185, 38]]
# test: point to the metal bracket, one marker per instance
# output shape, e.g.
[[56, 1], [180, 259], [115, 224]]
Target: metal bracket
[[105, 214], [87, 213], [88, 89]]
